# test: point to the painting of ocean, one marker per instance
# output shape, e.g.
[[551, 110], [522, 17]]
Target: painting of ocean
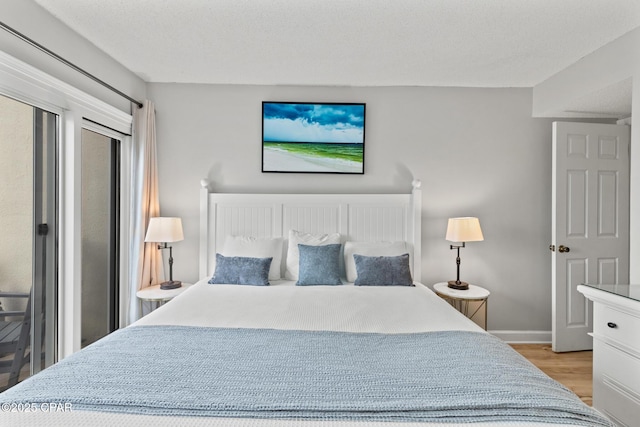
[[311, 137]]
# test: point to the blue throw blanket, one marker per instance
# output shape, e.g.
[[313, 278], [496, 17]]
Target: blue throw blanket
[[262, 373]]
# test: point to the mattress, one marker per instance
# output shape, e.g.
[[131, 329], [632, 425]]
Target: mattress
[[387, 310]]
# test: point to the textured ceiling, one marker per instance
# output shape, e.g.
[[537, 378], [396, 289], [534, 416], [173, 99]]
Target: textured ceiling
[[478, 43]]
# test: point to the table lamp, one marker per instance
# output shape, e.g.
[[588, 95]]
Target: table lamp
[[461, 230], [166, 230]]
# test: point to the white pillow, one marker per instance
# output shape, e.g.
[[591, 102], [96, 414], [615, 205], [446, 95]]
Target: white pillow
[[256, 248], [372, 249], [293, 255]]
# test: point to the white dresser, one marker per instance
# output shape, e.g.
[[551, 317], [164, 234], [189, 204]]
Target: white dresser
[[616, 351]]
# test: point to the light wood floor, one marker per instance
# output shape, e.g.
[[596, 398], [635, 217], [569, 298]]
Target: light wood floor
[[573, 369]]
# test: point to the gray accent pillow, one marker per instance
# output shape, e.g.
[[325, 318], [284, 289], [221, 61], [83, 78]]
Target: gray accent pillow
[[237, 270], [319, 265], [383, 270]]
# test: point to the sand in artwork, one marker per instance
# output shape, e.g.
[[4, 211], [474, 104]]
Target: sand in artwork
[[276, 159]]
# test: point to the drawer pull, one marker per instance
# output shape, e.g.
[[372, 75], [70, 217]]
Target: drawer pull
[[612, 325]]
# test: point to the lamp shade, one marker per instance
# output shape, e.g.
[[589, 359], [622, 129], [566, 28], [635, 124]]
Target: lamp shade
[[164, 229], [466, 229]]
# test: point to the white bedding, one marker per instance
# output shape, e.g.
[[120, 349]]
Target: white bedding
[[348, 308], [282, 306]]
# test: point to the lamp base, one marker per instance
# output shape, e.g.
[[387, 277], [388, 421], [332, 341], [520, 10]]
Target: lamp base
[[458, 285], [171, 284]]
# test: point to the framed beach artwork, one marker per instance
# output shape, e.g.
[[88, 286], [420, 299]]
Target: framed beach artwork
[[306, 137]]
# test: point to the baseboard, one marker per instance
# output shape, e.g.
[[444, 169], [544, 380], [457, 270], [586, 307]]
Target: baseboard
[[524, 337]]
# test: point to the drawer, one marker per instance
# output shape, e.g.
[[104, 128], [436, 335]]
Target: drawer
[[617, 405], [614, 365], [616, 384], [616, 325]]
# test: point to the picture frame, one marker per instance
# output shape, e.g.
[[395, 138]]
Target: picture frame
[[313, 137]]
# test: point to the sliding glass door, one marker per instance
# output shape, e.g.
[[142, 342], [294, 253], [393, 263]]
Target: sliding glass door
[[28, 248], [100, 231], [45, 252]]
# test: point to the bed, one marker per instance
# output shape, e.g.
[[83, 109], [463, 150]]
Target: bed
[[371, 347]]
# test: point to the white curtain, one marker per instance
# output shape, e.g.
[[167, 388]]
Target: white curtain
[[145, 259]]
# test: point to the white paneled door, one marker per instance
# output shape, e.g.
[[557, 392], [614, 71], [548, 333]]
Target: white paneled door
[[589, 222]]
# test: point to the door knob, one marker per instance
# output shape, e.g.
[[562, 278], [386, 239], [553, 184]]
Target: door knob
[[563, 249]]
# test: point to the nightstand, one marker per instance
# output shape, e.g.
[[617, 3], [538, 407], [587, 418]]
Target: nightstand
[[160, 296], [460, 299]]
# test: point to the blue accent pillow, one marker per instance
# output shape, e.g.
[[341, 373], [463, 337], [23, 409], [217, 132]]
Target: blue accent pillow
[[237, 270], [383, 270], [319, 265]]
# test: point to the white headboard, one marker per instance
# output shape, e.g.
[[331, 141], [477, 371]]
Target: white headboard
[[357, 217]]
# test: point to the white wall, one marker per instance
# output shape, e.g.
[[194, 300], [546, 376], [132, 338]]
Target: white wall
[[477, 151], [611, 64]]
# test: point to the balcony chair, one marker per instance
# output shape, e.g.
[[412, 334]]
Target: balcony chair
[[15, 328]]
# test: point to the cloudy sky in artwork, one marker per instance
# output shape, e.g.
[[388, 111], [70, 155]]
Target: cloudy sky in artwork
[[288, 122]]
